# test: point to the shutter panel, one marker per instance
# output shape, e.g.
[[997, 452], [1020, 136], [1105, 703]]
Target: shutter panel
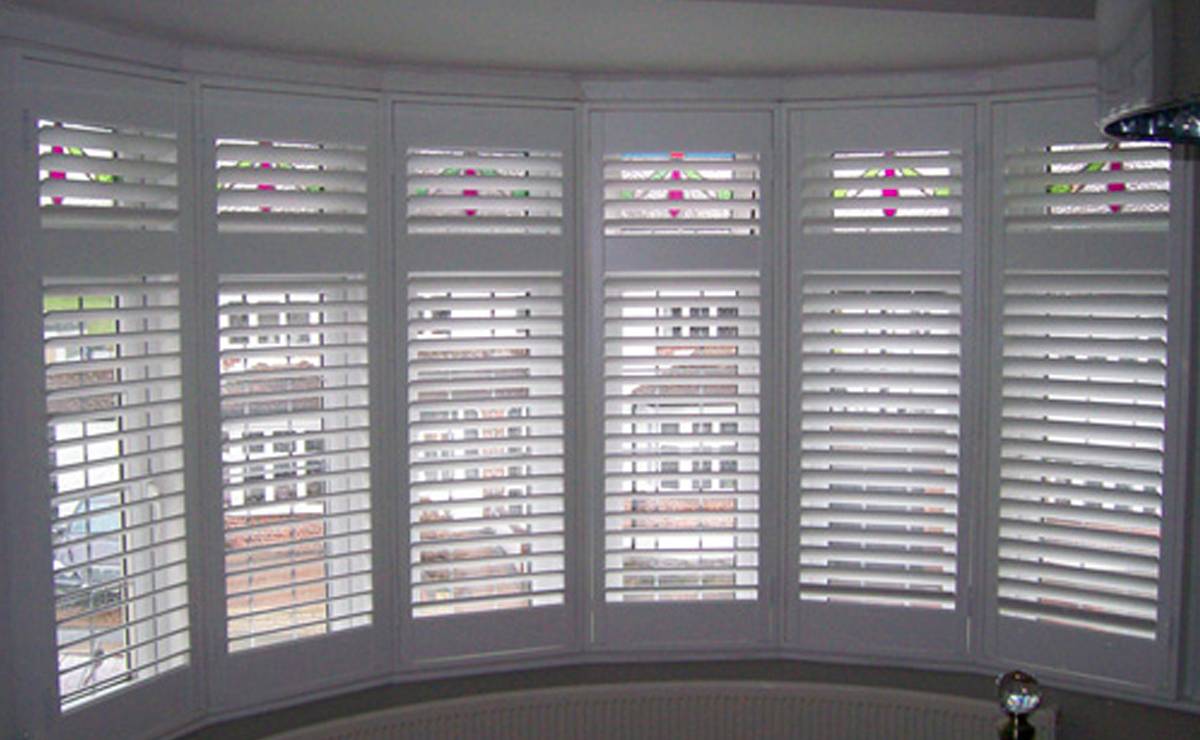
[[484, 191], [295, 454], [687, 193], [112, 353], [291, 187], [681, 315], [485, 399], [1084, 376], [107, 177], [681, 369], [880, 438], [877, 192], [1121, 186], [485, 263], [881, 257], [1080, 579]]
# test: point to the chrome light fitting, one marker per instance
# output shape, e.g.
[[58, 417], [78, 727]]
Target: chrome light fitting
[[1149, 53]]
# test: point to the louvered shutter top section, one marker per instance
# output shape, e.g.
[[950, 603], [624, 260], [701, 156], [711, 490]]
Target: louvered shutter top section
[[107, 177], [117, 488], [485, 394], [295, 432], [1082, 449], [682, 373], [291, 187], [1122, 186], [879, 445], [682, 194], [881, 192], [484, 191]]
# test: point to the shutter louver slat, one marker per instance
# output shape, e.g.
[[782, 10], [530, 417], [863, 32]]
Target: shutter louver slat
[[485, 394], [114, 435], [882, 192], [296, 457], [1088, 187], [880, 439], [1082, 449], [484, 191], [682, 194], [681, 442], [104, 177], [291, 187]]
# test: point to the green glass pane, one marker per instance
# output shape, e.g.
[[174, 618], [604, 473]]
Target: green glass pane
[[99, 301], [59, 302]]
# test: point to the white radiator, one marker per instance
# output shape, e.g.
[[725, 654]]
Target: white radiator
[[687, 710]]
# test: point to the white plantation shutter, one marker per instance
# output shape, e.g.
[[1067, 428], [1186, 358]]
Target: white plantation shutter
[[1091, 186], [295, 456], [288, 226], [115, 435], [879, 379], [106, 444], [485, 399], [484, 191], [681, 194], [877, 192], [107, 176], [291, 187], [681, 373], [1081, 581], [880, 391], [485, 241], [682, 400], [1084, 392]]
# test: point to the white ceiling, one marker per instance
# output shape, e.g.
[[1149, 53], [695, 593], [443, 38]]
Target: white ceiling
[[728, 37]]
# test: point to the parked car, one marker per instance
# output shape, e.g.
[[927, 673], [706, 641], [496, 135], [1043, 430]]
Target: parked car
[[92, 544]]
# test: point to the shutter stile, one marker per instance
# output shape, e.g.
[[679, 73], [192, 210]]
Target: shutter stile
[[296, 457], [116, 470], [880, 367], [107, 177], [682, 375], [881, 192], [682, 194], [1082, 438], [1119, 186], [484, 191], [486, 446], [291, 187]]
